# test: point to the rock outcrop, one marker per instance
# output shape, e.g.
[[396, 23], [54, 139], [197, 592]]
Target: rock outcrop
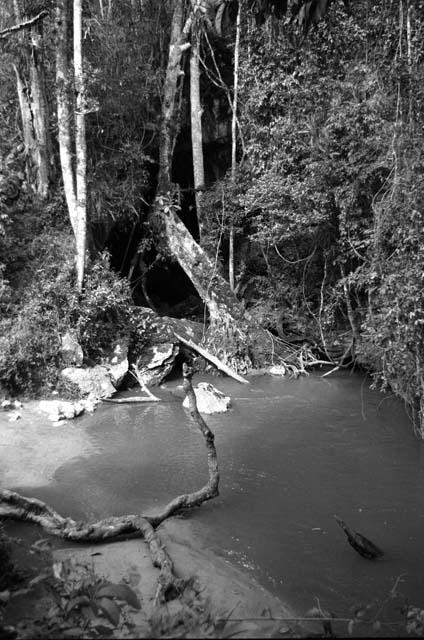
[[155, 346]]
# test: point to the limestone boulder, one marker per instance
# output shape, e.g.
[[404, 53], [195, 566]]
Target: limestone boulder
[[115, 360], [156, 362], [210, 399], [94, 382]]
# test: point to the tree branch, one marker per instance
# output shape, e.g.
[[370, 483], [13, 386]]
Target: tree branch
[[17, 507], [24, 25]]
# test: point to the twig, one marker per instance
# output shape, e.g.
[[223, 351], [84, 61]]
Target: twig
[[137, 375]]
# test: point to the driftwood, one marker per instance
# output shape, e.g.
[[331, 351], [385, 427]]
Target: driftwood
[[208, 356], [17, 507], [131, 400]]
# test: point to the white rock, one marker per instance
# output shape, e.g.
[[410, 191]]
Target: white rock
[[14, 415], [6, 405], [61, 409], [209, 399], [278, 370], [118, 371]]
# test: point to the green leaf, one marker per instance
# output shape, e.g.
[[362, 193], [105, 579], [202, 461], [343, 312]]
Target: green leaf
[[110, 610], [77, 602], [121, 592]]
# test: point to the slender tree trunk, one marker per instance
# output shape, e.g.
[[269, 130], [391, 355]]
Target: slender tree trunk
[[40, 119], [409, 53], [234, 140], [27, 128], [74, 180], [177, 46], [64, 111], [196, 127], [80, 145]]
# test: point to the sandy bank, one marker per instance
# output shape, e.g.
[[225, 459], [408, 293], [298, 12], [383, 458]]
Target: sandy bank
[[231, 593]]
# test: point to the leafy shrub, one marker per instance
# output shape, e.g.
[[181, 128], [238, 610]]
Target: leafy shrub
[[103, 310], [31, 330]]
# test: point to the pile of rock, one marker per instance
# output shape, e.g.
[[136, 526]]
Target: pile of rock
[[13, 407], [101, 380], [59, 410]]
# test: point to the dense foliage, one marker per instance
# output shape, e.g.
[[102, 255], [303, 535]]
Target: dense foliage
[[40, 303], [326, 207]]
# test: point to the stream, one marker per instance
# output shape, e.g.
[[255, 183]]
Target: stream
[[292, 453]]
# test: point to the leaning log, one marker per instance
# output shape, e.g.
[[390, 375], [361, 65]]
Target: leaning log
[[131, 400], [18, 507], [216, 361]]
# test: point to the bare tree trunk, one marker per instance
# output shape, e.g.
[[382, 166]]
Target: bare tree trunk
[[80, 145], [177, 46], [40, 118], [234, 140], [27, 128], [33, 107], [196, 127], [74, 181], [64, 111]]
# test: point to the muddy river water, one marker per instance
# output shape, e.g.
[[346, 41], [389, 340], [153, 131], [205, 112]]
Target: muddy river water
[[292, 453]]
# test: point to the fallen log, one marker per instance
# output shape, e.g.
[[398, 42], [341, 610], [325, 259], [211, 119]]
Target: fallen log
[[215, 361], [18, 507], [130, 399]]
